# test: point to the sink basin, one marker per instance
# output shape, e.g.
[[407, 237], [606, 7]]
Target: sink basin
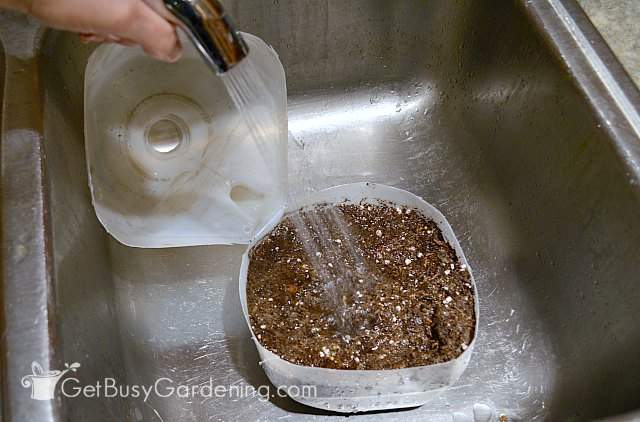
[[511, 117]]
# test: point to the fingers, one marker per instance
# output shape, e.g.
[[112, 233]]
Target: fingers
[[87, 38], [159, 7], [157, 36], [123, 21]]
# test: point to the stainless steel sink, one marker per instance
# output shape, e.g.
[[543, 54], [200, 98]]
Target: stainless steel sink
[[512, 117]]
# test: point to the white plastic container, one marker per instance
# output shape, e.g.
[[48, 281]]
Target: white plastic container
[[171, 161], [350, 391]]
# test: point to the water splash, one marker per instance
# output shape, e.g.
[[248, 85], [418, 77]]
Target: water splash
[[339, 262], [322, 232], [247, 87]]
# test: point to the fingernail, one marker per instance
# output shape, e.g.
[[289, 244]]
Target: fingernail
[[91, 39], [175, 54], [114, 38]]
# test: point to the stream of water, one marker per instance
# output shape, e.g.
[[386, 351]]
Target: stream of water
[[317, 231]]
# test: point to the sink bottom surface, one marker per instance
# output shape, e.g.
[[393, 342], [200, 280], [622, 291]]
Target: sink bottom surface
[[179, 311]]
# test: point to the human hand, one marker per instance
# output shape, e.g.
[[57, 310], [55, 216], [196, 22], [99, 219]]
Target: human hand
[[129, 22]]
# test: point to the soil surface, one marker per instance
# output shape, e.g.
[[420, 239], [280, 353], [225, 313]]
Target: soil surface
[[360, 286]]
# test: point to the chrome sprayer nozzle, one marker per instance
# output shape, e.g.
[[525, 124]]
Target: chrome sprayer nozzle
[[210, 29]]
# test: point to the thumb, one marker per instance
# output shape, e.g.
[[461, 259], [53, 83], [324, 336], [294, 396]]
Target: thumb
[[154, 33], [159, 7]]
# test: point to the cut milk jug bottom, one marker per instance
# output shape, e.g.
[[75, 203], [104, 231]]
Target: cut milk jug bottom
[[350, 391], [171, 160]]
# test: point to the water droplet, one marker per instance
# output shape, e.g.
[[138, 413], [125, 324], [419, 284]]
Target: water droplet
[[482, 412]]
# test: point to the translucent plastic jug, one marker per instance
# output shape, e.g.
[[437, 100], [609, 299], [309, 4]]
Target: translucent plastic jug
[[171, 161]]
